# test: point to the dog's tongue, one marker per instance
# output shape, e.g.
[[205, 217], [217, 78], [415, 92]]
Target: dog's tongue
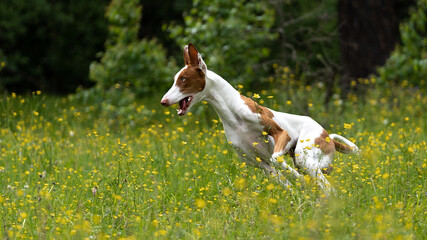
[[183, 104]]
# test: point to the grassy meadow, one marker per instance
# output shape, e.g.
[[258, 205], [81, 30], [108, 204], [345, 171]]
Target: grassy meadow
[[69, 170]]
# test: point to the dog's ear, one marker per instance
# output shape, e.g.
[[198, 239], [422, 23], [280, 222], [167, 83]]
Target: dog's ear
[[192, 57], [186, 55]]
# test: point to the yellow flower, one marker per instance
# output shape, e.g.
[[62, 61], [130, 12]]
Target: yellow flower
[[280, 159], [23, 215], [96, 219], [160, 232], [155, 223], [276, 220], [240, 183], [20, 193], [256, 95], [117, 197], [200, 203], [196, 232], [226, 191]]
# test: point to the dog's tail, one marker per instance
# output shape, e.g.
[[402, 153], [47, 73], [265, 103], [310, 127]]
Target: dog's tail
[[347, 147]]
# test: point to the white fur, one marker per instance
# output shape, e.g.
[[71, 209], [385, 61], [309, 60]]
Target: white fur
[[174, 94], [243, 129]]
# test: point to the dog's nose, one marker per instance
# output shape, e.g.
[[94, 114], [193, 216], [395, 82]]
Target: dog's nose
[[165, 102]]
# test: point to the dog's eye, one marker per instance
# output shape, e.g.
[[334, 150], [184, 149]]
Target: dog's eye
[[183, 79]]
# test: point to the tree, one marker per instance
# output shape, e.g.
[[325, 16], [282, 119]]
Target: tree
[[49, 44], [368, 31], [128, 60], [308, 41], [408, 62], [157, 15], [233, 35]]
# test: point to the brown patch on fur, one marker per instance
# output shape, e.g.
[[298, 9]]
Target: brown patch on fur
[[280, 136], [281, 139], [343, 148], [325, 143], [191, 80]]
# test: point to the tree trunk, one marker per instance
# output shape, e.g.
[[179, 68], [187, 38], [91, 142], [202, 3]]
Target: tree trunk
[[368, 30]]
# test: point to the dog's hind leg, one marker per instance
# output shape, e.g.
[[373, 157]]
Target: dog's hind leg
[[311, 163], [322, 181]]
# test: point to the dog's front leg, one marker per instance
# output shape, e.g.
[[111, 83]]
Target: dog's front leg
[[271, 172], [281, 140], [278, 160]]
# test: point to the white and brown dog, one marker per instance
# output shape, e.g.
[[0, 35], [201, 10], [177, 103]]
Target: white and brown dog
[[260, 135]]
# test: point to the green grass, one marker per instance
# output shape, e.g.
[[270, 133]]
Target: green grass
[[70, 171]]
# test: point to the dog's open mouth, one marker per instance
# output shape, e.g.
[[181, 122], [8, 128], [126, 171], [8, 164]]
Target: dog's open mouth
[[184, 104]]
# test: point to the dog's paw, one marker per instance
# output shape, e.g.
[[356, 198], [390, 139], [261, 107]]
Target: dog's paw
[[276, 155]]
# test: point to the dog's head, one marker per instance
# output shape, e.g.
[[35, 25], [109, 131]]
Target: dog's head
[[189, 82]]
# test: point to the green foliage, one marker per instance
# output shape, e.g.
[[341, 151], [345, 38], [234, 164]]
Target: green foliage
[[142, 64], [123, 18], [2, 63], [49, 44], [234, 36], [408, 62], [308, 41]]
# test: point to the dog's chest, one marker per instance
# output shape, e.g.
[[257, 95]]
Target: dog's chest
[[249, 141]]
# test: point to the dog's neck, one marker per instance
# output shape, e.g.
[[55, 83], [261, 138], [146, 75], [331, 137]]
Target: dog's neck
[[224, 98]]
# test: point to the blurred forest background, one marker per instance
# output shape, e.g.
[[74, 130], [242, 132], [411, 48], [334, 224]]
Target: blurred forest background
[[62, 46]]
